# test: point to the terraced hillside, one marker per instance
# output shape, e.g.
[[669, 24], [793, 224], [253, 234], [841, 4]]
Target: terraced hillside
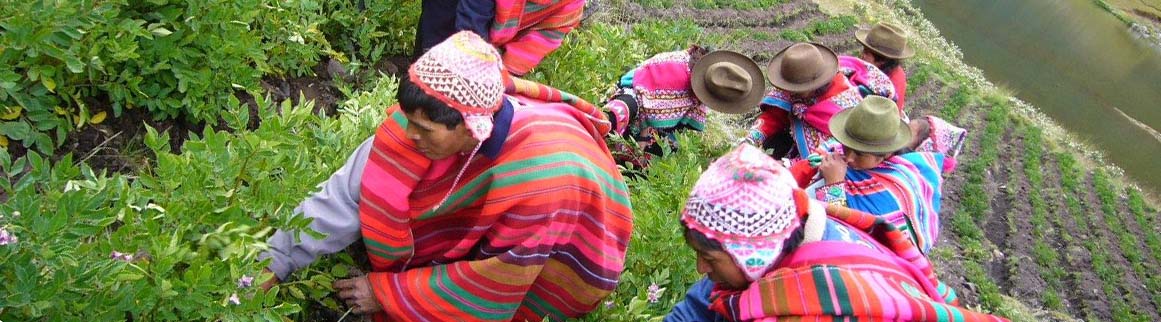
[[1023, 219]]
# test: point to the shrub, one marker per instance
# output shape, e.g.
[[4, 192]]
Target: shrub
[[835, 25], [69, 63], [382, 28], [176, 241]]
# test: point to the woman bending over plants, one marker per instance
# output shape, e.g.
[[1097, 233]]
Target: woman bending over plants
[[672, 92], [473, 204], [770, 253]]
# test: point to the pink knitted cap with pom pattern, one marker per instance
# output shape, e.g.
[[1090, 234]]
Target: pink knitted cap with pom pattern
[[746, 202], [464, 72]]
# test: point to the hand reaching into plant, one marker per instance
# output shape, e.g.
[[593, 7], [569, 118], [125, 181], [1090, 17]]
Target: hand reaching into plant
[[356, 292], [833, 168], [270, 282]]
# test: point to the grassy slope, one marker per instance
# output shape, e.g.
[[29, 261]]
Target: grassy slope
[[1146, 12], [992, 273]]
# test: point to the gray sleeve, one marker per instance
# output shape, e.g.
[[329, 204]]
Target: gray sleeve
[[335, 209]]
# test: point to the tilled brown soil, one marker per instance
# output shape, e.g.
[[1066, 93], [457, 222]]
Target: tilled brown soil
[[1078, 294], [1131, 285]]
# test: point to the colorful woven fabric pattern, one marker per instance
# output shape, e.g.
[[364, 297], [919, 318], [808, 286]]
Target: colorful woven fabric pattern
[[748, 203], [528, 30], [865, 75], [806, 118], [662, 86], [539, 231], [831, 281], [905, 190]]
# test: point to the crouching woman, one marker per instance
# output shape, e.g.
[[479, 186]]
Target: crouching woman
[[771, 253]]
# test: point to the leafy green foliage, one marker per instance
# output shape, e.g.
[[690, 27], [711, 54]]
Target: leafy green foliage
[[606, 52], [794, 35], [831, 26], [654, 3], [383, 28], [657, 254], [193, 223], [64, 62]]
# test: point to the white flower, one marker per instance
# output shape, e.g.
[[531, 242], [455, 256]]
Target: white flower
[[297, 38]]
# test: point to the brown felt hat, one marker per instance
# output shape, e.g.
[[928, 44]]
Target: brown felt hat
[[803, 67], [887, 40], [728, 82], [873, 126]]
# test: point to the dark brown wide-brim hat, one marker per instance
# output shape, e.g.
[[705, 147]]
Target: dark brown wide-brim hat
[[728, 82], [873, 126], [885, 39], [802, 67]]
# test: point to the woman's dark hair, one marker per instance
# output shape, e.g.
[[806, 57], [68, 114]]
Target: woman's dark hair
[[411, 97], [878, 154], [885, 64], [701, 240], [704, 242]]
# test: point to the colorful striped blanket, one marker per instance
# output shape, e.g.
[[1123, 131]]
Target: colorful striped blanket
[[831, 281], [904, 189], [661, 85], [539, 231], [527, 30], [868, 78], [807, 119]]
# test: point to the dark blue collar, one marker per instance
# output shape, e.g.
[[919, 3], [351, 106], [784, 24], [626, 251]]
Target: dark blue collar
[[501, 123]]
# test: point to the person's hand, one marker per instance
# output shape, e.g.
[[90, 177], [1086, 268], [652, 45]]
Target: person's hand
[[270, 282], [833, 168], [356, 292]]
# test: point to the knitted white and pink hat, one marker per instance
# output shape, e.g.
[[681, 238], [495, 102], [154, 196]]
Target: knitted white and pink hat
[[464, 72], [750, 204]]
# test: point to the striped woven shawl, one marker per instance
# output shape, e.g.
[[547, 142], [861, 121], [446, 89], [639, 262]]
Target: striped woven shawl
[[865, 75], [528, 30], [905, 190], [830, 280], [539, 231]]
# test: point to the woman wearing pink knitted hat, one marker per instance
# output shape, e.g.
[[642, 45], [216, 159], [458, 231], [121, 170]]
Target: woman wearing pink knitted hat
[[474, 205], [770, 253]]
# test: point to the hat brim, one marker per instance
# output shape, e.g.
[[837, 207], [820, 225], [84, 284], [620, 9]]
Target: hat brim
[[838, 130], [738, 106], [778, 81], [861, 36]]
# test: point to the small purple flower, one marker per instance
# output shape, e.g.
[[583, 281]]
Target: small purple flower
[[245, 281], [609, 304], [234, 299], [654, 293], [125, 257], [6, 237]]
